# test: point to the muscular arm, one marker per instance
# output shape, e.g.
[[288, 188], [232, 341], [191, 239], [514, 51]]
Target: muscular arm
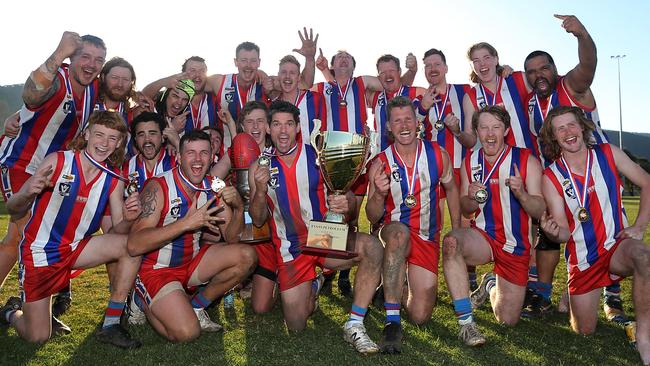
[[115, 201], [213, 83], [451, 190], [222, 168], [579, 79], [153, 88], [232, 217]]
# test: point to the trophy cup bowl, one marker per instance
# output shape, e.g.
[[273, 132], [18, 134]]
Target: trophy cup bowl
[[341, 157]]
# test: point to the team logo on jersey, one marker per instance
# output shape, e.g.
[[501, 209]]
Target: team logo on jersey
[[134, 176], [477, 173], [175, 211], [64, 188], [273, 182], [230, 97], [382, 100], [395, 173], [4, 169], [328, 89], [568, 189]]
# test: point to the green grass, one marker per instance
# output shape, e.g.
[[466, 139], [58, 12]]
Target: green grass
[[251, 339]]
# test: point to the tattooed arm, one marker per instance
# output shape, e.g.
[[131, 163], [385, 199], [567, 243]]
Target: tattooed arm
[[42, 82]]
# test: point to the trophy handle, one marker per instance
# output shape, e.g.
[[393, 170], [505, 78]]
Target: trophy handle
[[315, 133]]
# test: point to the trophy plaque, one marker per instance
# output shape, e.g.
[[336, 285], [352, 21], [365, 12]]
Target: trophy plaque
[[341, 157]]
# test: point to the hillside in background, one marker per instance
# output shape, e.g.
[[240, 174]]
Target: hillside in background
[[636, 143]]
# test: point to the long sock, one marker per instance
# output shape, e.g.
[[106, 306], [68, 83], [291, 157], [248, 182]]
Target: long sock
[[9, 314], [392, 312], [472, 276], [344, 274], [463, 309], [533, 279], [357, 314], [113, 313], [491, 282], [199, 301], [612, 290], [544, 290]]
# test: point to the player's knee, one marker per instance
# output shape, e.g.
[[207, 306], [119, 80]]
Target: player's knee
[[450, 246], [395, 235], [296, 322], [419, 316], [262, 307], [506, 318], [186, 333], [370, 248], [641, 259], [248, 259], [583, 327]]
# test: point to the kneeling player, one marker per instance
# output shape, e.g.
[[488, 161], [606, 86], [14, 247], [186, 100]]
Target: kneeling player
[[583, 191], [404, 192], [67, 196], [501, 186], [289, 193], [177, 206]]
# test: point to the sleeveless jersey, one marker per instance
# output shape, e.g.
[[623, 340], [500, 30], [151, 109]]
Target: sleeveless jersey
[[204, 115], [296, 195], [49, 127], [135, 168], [538, 109], [231, 97], [63, 215], [512, 96], [444, 137], [590, 240], [345, 105], [426, 217], [182, 249], [502, 217]]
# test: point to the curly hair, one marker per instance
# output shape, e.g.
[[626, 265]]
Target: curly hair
[[110, 120], [552, 148]]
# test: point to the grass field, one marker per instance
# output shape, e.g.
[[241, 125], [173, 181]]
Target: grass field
[[251, 339]]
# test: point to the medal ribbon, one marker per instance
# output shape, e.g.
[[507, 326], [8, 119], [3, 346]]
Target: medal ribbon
[[498, 162], [248, 93], [411, 180], [87, 108], [104, 169], [548, 107], [441, 112], [344, 92], [301, 94], [194, 187], [496, 92], [196, 120], [399, 92], [581, 197]]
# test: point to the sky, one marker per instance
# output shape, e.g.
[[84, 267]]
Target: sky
[[156, 37]]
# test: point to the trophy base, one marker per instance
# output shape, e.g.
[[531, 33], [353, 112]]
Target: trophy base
[[253, 234], [329, 239]]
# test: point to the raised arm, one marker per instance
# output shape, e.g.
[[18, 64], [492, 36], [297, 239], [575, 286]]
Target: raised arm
[[579, 79], [308, 50], [529, 192], [411, 70], [167, 82], [42, 83], [20, 203]]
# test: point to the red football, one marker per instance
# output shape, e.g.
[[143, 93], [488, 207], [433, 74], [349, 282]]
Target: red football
[[243, 151]]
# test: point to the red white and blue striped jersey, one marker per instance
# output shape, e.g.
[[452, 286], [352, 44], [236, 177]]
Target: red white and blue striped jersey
[[296, 195], [445, 138], [67, 213], [312, 106], [350, 117], [590, 240], [426, 217], [135, 168], [233, 98], [204, 115], [502, 217], [538, 109], [512, 96], [49, 127], [182, 249], [380, 101]]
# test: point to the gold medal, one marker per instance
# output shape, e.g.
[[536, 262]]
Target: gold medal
[[410, 201], [583, 215], [343, 103], [217, 185], [132, 187], [481, 195], [439, 125], [264, 161]]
